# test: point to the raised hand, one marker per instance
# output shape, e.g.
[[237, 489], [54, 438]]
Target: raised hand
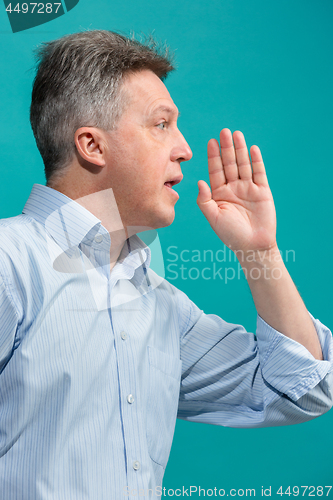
[[239, 206]]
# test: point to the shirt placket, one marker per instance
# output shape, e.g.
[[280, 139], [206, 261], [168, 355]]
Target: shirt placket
[[130, 403]]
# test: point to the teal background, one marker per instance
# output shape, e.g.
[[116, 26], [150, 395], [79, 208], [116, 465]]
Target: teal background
[[261, 67]]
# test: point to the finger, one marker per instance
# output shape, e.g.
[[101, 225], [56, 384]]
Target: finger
[[205, 202], [242, 157], [215, 169], [228, 156], [258, 167]]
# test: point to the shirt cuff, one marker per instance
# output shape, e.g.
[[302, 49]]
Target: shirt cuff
[[287, 365]]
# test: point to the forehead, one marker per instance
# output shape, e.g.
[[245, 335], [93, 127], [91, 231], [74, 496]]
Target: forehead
[[146, 92]]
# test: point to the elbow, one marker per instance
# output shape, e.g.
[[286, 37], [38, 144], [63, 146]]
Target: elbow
[[319, 399]]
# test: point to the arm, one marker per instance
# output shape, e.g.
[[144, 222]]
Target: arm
[[240, 209], [233, 379], [9, 322]]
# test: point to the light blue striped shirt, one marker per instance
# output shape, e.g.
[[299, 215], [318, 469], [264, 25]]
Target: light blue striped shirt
[[95, 366]]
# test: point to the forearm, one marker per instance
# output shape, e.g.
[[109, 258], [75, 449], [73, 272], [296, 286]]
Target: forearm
[[240, 208], [276, 298]]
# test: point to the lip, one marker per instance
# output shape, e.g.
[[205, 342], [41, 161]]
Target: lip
[[172, 191], [176, 179], [172, 181]]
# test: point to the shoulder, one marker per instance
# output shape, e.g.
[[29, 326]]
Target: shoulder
[[22, 242], [19, 230]]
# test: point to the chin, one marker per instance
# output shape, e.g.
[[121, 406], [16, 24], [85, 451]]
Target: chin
[[153, 219], [165, 220]]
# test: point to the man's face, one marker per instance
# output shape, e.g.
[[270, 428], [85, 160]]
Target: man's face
[[144, 153]]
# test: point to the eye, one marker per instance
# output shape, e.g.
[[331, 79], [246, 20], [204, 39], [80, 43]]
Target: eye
[[162, 125]]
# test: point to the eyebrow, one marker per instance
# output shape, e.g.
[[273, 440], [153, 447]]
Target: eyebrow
[[167, 109]]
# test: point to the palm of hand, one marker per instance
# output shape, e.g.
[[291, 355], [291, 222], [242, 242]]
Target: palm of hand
[[240, 207]]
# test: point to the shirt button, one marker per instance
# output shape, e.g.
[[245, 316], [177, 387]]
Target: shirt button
[[130, 400], [136, 465], [123, 335], [99, 238]]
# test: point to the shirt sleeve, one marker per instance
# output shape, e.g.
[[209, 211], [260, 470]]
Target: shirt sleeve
[[232, 378], [8, 321]]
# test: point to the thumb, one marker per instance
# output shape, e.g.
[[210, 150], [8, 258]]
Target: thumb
[[205, 202]]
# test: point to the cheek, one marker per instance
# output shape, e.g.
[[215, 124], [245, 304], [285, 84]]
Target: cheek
[[141, 163]]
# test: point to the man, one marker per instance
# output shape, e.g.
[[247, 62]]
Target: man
[[98, 355]]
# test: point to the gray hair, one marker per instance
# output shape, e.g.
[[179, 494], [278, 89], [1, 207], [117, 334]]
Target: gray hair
[[78, 83]]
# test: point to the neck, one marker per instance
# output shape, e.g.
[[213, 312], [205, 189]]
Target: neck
[[103, 205]]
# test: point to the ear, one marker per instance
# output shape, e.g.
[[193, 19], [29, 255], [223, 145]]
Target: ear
[[91, 145]]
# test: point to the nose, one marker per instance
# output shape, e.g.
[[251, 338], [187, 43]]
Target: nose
[[181, 151]]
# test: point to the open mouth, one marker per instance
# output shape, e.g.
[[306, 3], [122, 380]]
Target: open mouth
[[173, 181], [169, 184]]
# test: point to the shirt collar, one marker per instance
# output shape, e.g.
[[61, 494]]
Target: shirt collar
[[64, 219], [69, 224]]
